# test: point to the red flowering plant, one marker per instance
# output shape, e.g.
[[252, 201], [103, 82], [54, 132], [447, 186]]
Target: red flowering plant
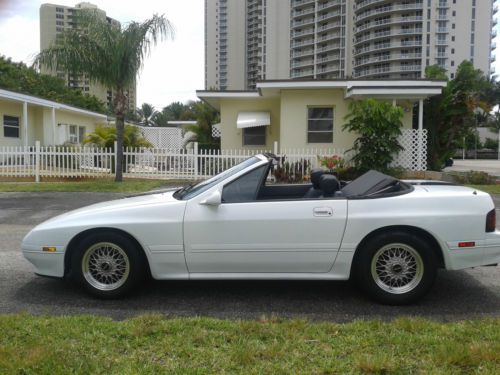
[[332, 163]]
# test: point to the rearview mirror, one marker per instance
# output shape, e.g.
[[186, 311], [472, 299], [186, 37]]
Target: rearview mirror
[[213, 199]]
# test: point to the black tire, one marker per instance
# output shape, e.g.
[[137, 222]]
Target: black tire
[[102, 254], [385, 281]]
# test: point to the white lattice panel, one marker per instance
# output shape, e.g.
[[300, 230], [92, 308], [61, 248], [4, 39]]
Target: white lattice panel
[[164, 138], [216, 131], [414, 155]]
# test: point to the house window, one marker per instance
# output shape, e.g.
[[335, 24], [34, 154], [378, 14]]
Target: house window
[[255, 136], [10, 127], [76, 134], [320, 125]]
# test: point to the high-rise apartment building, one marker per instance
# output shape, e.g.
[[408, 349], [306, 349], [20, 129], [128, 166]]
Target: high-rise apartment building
[[54, 19], [250, 40]]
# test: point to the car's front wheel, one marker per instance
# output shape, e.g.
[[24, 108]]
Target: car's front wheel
[[395, 269], [107, 264]]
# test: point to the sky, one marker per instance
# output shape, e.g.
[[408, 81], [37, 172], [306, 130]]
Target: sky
[[173, 71]]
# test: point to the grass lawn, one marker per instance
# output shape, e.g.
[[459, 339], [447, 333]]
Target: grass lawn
[[492, 189], [153, 344], [127, 186]]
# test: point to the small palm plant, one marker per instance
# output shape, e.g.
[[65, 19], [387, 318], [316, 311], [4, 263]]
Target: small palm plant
[[105, 136], [108, 54]]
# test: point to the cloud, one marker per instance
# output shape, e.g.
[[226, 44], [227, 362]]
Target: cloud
[[173, 72]]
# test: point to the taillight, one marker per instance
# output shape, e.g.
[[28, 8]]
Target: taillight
[[491, 221]]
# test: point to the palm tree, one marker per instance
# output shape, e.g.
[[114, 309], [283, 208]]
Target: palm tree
[[147, 114], [108, 54]]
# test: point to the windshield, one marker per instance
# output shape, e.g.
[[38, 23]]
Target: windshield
[[191, 191]]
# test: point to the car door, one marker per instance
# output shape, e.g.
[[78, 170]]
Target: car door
[[243, 235]]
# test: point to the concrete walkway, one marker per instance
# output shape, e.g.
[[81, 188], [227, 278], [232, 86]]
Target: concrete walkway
[[491, 167]]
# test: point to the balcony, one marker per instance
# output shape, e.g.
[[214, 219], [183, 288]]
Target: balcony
[[493, 46], [411, 31], [443, 4], [389, 8], [331, 25], [442, 30], [322, 60], [390, 57], [410, 19], [364, 4], [328, 69], [328, 37], [441, 42], [410, 68], [309, 42], [308, 21], [297, 34], [299, 3], [302, 63], [303, 53], [411, 43], [323, 17], [329, 4], [303, 12], [330, 47], [302, 73]]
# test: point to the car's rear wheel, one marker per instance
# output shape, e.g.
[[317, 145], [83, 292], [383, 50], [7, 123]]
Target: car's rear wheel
[[107, 264], [395, 269]]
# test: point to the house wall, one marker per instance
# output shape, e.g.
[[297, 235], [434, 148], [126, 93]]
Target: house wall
[[232, 137], [294, 108], [11, 108], [40, 123], [289, 119]]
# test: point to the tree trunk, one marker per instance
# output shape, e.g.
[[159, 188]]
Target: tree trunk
[[120, 106]]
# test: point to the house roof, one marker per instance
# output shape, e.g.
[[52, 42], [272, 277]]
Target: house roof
[[18, 97], [353, 88]]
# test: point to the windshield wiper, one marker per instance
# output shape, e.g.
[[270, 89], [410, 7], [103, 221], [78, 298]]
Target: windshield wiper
[[180, 193]]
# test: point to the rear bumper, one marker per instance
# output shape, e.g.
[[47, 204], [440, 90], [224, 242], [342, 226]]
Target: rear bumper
[[486, 252]]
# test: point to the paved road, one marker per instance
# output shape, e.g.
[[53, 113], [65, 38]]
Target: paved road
[[456, 295]]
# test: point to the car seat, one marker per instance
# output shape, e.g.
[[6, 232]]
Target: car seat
[[314, 191]]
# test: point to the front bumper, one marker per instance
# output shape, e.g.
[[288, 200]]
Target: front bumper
[[46, 264]]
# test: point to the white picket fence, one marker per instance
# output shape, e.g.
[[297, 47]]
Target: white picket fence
[[88, 162], [166, 163]]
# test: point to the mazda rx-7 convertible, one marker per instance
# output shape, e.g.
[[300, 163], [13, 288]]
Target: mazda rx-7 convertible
[[390, 236]]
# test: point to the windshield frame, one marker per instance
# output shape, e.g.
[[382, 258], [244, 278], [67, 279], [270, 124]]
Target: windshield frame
[[193, 190]]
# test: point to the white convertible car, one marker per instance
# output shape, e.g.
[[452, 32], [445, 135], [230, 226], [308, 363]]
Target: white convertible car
[[390, 236]]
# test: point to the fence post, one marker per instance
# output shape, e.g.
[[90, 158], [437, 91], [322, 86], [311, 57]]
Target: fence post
[[195, 156], [116, 156], [275, 151], [37, 161]]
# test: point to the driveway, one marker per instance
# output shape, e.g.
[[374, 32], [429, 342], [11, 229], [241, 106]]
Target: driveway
[[456, 295]]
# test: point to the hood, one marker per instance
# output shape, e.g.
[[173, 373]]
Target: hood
[[115, 207]]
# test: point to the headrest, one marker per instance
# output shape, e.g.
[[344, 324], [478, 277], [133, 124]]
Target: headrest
[[329, 184], [316, 174]]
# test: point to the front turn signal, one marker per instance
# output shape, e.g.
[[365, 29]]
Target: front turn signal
[[49, 249]]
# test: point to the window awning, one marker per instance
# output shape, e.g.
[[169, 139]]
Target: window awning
[[253, 119]]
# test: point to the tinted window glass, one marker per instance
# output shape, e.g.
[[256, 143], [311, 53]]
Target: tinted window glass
[[245, 188], [255, 136], [193, 191]]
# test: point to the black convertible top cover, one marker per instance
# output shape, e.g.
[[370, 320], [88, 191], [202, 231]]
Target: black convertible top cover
[[369, 184]]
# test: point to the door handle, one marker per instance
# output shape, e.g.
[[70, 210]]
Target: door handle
[[322, 211]]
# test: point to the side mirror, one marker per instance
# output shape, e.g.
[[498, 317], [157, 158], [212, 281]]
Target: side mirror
[[213, 199]]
